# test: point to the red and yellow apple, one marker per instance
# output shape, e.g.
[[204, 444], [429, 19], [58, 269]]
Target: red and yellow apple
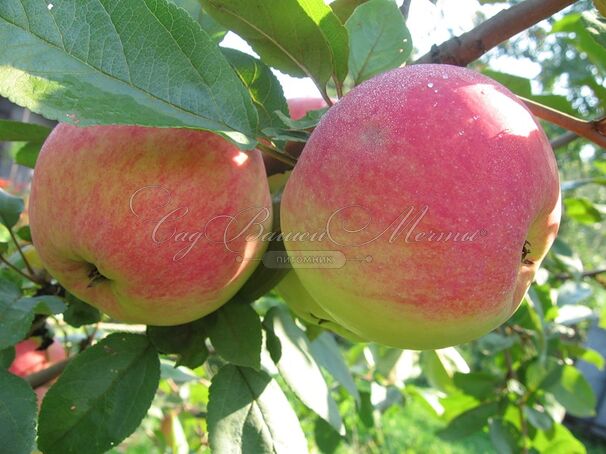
[[29, 360], [148, 224], [438, 192]]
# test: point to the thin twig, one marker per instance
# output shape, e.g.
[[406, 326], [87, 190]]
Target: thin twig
[[462, 50], [405, 8], [566, 276], [17, 270], [27, 265], [563, 140], [590, 130]]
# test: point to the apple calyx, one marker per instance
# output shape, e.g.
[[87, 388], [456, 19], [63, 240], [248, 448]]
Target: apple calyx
[[95, 277]]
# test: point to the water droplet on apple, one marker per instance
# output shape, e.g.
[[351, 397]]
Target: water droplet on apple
[[430, 84]]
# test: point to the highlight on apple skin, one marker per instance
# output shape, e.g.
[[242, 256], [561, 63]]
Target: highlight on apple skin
[[442, 192], [143, 223]]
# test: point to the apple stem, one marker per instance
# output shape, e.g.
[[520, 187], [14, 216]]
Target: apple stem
[[277, 154], [27, 265], [95, 277], [18, 271]]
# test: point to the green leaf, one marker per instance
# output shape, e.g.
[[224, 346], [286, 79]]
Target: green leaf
[[477, 384], [11, 207], [345, 8], [572, 390], [101, 397], [309, 120], [558, 440], [505, 436], [45, 304], [24, 233], [188, 341], [573, 293], [582, 39], [27, 154], [494, 343], [541, 374], [327, 353], [146, 63], [366, 409], [7, 356], [17, 131], [248, 412], [564, 254], [538, 418], [16, 314], [301, 38], [286, 134], [378, 39], [469, 422], [435, 372], [18, 412], [327, 439], [265, 89], [582, 210], [235, 332], [583, 353], [300, 370], [208, 24], [79, 313], [179, 374]]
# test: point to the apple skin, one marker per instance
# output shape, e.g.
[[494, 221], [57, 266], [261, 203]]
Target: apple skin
[[99, 197], [438, 136], [28, 360], [303, 305]]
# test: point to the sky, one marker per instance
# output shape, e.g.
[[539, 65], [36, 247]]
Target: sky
[[428, 24]]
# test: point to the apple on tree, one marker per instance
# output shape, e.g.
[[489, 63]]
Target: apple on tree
[[442, 192], [29, 360], [290, 288], [146, 223]]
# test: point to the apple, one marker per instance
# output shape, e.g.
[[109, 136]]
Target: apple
[[303, 305], [148, 224], [422, 206], [29, 360]]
